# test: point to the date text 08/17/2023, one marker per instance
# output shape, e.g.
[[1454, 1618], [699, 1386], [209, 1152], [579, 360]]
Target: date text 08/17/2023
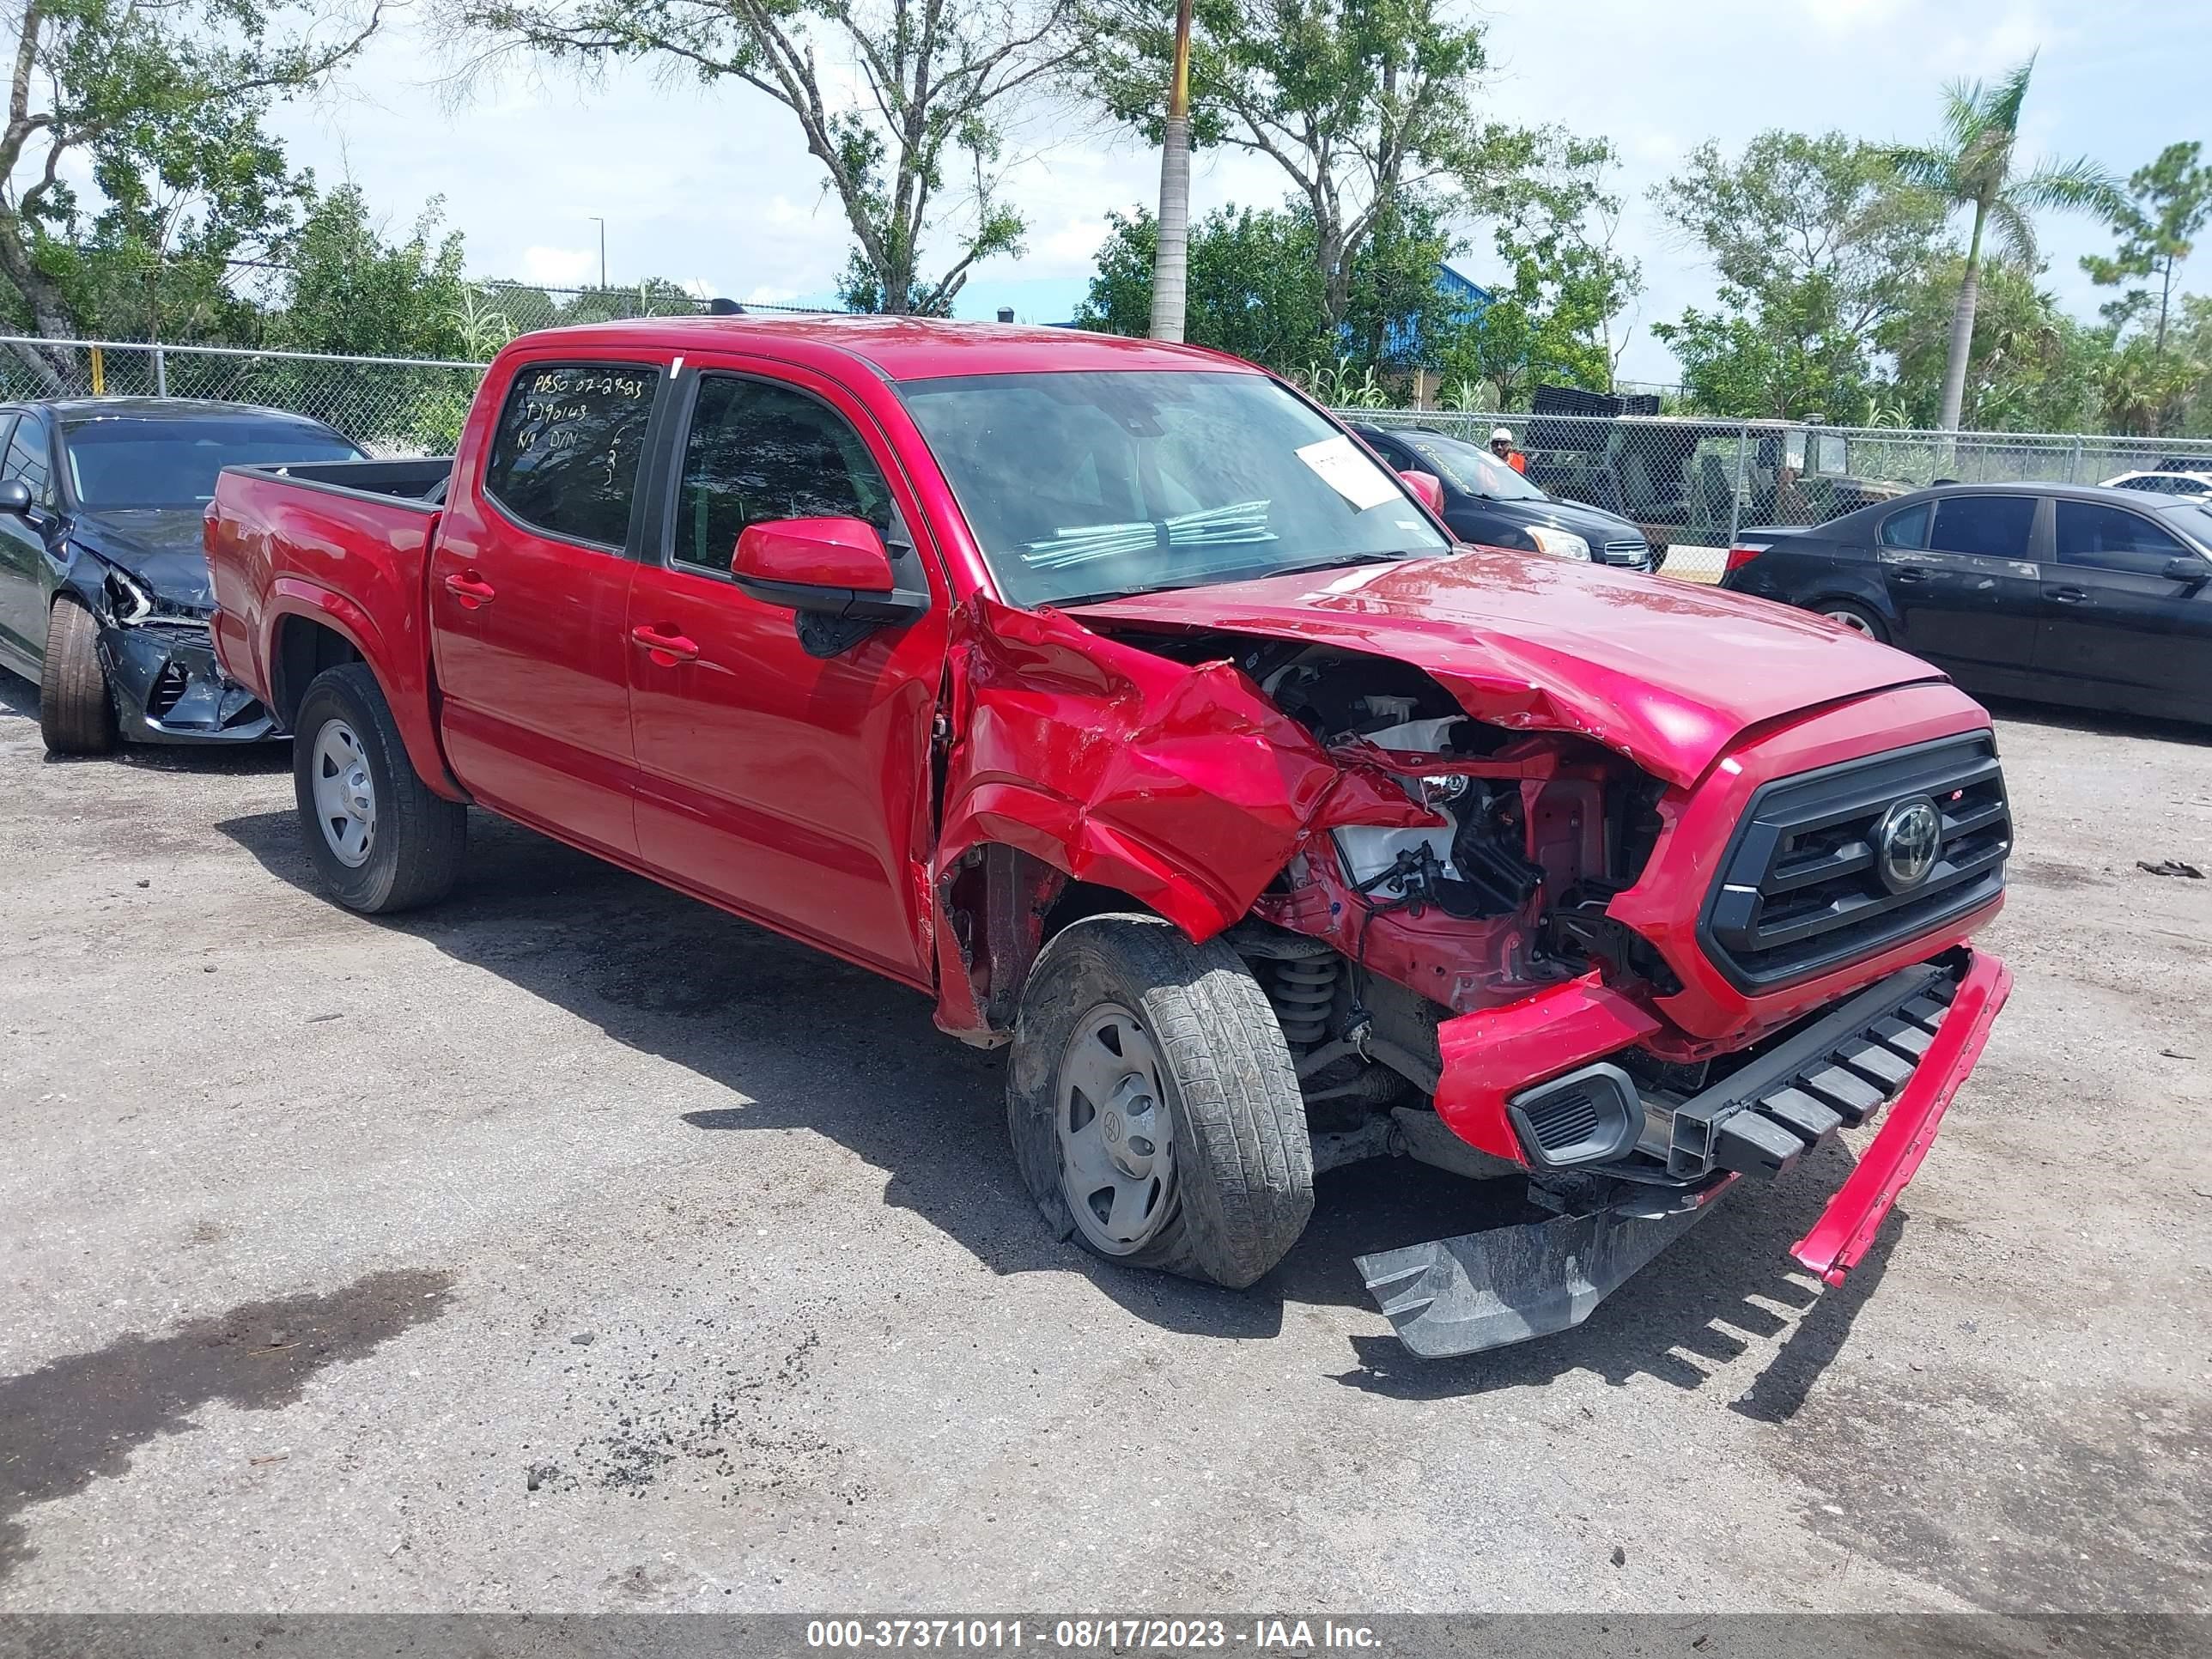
[[1120, 1634]]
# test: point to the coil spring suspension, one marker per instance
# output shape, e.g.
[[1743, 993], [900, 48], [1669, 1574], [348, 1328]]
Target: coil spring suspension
[[1305, 989]]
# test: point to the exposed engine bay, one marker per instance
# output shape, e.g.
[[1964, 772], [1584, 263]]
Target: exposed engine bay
[[1375, 934]]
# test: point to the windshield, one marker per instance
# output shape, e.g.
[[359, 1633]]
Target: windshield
[[2193, 520], [132, 463], [1078, 485], [1477, 472]]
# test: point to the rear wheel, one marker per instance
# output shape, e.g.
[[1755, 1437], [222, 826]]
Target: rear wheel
[[1856, 617], [76, 715], [380, 839], [1152, 1105]]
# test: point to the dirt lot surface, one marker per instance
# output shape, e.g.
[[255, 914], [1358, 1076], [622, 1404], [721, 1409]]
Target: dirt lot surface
[[575, 1246]]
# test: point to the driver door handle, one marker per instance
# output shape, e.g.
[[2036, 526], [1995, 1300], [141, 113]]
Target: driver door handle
[[2068, 595], [470, 589], [666, 649]]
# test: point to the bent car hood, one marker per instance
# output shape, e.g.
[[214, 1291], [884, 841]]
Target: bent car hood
[[162, 546], [1669, 673]]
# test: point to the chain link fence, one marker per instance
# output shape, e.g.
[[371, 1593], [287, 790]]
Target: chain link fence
[[390, 406], [1694, 484], [1690, 483]]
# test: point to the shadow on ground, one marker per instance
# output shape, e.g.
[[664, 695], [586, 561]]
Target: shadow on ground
[[2097, 722], [805, 1041]]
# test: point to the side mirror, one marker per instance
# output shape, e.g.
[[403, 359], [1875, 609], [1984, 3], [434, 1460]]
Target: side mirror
[[2193, 572], [836, 567], [1429, 487], [15, 497]]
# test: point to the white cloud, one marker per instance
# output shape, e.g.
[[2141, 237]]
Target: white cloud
[[559, 267], [718, 182]]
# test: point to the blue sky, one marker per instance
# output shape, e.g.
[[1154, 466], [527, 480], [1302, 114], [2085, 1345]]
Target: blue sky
[[714, 187]]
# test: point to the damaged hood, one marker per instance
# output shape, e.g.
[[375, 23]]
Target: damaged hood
[[161, 546], [1669, 673]]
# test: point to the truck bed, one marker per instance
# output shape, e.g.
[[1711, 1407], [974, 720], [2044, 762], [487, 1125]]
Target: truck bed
[[341, 546], [421, 479]]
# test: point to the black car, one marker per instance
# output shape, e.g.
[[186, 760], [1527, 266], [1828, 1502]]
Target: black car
[[2066, 593], [104, 596], [1487, 501]]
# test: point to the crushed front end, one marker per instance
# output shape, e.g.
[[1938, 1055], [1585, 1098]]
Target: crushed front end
[[1519, 952], [1641, 993], [160, 667]]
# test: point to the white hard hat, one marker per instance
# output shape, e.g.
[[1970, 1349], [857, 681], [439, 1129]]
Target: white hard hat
[[1504, 432]]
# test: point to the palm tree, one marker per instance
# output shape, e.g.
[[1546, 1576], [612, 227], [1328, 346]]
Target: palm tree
[[1171, 259], [1973, 167]]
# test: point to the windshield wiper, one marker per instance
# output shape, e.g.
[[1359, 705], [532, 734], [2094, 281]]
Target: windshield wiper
[[1225, 579]]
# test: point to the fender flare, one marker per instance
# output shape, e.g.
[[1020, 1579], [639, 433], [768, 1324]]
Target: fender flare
[[291, 597]]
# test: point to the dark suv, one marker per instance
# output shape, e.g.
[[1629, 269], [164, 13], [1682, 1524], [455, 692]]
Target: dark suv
[[1487, 501]]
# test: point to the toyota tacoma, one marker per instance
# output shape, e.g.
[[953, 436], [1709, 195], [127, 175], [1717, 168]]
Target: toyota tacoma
[[1113, 696]]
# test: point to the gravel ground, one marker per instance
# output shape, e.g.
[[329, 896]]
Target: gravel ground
[[575, 1246]]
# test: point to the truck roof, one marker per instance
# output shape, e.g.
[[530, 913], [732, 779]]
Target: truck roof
[[894, 348]]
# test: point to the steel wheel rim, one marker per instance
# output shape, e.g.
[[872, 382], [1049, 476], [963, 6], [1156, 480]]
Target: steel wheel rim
[[346, 793], [1117, 1166], [1852, 620]]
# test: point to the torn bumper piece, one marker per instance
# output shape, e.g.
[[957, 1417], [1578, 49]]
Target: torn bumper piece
[[168, 689], [1914, 1036]]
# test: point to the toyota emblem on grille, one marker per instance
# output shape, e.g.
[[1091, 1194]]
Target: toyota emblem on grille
[[1906, 842]]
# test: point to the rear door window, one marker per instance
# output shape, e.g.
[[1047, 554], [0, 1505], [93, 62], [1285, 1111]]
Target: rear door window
[[2112, 538], [565, 456], [1987, 526], [1906, 529]]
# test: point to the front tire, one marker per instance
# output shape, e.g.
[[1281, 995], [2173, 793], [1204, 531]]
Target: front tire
[[76, 715], [381, 841], [1152, 1105]]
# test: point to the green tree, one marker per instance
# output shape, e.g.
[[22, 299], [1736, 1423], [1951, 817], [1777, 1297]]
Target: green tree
[[1972, 166], [1554, 317], [2031, 367], [1362, 105], [349, 290], [2169, 201], [1250, 287], [916, 160], [1816, 245], [160, 103]]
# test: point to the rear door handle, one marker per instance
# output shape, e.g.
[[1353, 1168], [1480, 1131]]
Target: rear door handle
[[666, 649], [2068, 595], [1911, 573], [471, 589]]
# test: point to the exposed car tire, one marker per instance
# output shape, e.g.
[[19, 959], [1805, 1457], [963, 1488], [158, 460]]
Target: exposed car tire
[[1197, 1160], [76, 715], [380, 839], [1856, 617]]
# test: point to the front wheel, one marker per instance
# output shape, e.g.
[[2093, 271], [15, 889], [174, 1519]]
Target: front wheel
[[1153, 1104], [379, 839], [76, 715]]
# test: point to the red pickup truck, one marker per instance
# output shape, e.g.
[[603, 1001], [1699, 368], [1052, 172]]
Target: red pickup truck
[[1115, 697]]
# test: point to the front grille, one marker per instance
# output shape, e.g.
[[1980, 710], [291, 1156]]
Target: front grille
[[1801, 890], [1624, 552], [169, 686]]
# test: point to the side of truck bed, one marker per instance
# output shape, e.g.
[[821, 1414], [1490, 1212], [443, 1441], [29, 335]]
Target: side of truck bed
[[318, 562]]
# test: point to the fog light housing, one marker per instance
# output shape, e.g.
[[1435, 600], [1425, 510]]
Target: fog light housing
[[1588, 1116]]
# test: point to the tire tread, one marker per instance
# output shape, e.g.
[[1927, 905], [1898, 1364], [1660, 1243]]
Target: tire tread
[[1245, 1185], [76, 713], [423, 837]]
